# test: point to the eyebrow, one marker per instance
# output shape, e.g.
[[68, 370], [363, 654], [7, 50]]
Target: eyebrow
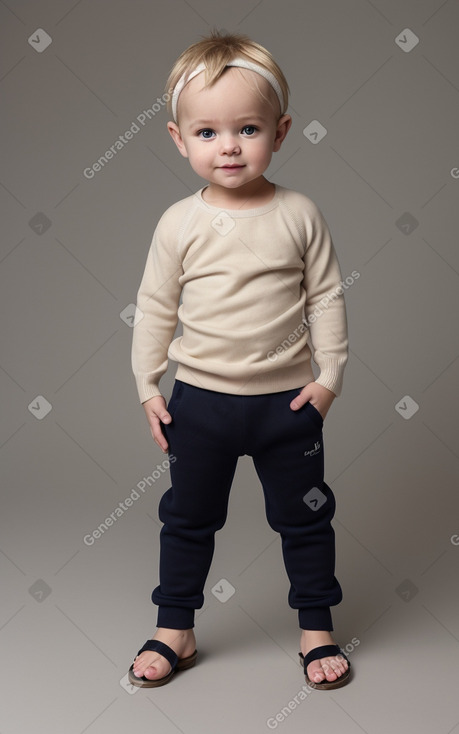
[[241, 118]]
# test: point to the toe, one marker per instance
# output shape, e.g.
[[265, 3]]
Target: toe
[[341, 664], [331, 672], [334, 668], [329, 669], [315, 672], [141, 664], [151, 666], [152, 673]]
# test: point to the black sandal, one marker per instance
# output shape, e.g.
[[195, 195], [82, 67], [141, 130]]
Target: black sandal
[[325, 651], [176, 664]]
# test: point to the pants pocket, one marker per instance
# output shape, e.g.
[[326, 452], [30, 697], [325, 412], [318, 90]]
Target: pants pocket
[[175, 399], [314, 414]]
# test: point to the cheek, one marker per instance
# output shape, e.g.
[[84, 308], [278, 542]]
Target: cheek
[[200, 151], [263, 151], [197, 155]]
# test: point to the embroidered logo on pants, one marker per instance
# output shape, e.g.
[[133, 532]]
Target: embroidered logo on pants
[[315, 450]]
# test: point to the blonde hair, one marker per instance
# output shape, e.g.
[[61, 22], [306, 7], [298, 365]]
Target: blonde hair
[[215, 51]]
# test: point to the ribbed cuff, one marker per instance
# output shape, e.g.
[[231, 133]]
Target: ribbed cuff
[[317, 618], [146, 389], [176, 618], [331, 375]]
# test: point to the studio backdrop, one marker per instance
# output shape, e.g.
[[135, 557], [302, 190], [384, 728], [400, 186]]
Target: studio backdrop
[[88, 168]]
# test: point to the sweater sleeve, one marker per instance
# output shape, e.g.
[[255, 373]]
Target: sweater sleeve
[[325, 311], [157, 302]]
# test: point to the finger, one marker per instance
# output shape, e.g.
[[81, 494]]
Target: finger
[[300, 400], [160, 440], [164, 416], [157, 434]]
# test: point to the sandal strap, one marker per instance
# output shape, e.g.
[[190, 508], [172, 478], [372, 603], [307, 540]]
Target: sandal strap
[[162, 649], [324, 651]]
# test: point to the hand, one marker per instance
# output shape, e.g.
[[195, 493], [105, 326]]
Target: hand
[[155, 409], [320, 397]]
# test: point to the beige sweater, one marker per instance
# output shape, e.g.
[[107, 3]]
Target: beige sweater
[[260, 290]]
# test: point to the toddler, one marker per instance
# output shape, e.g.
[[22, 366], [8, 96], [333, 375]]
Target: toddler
[[249, 268]]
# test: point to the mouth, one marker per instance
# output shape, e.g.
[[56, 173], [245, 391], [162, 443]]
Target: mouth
[[232, 167]]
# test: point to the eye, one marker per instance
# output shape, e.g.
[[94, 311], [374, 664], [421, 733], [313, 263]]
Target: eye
[[249, 129], [206, 134]]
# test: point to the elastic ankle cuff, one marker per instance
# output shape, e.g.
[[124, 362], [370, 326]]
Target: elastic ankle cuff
[[176, 618], [317, 618]]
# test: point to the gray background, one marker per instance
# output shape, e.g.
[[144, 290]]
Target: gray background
[[73, 615]]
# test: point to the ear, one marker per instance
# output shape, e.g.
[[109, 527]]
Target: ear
[[283, 126], [177, 138]]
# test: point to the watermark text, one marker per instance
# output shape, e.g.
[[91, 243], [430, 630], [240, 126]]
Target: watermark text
[[122, 507]]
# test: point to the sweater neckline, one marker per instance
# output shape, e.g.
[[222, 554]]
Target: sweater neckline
[[241, 212]]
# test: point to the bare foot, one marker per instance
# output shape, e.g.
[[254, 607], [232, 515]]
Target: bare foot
[[152, 665], [330, 668]]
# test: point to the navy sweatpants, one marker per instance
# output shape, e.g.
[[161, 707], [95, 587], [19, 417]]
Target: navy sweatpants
[[208, 433]]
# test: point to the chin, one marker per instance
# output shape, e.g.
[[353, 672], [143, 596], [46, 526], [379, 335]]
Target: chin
[[234, 184]]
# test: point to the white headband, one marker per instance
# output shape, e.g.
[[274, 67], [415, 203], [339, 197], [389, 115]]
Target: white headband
[[244, 64]]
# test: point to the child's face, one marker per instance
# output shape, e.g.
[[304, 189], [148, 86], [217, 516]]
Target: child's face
[[228, 131]]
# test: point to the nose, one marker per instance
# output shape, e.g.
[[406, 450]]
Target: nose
[[229, 145]]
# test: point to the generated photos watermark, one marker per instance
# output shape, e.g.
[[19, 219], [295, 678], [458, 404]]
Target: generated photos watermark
[[278, 718], [122, 507], [122, 140], [274, 354]]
